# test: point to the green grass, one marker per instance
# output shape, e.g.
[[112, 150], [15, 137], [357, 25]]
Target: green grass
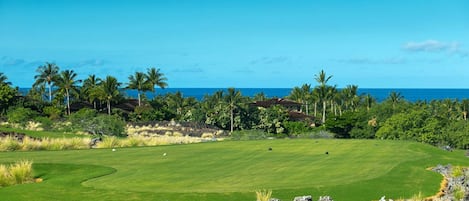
[[354, 170], [42, 134]]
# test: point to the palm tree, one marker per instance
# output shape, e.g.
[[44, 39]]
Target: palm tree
[[395, 98], [139, 83], [176, 102], [302, 95], [47, 74], [369, 101], [89, 84], [323, 91], [3, 79], [233, 98], [350, 94], [156, 78], [66, 81], [110, 90]]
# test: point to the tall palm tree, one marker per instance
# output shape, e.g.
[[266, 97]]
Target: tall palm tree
[[47, 74], [139, 83], [67, 82], [323, 91], [176, 102], [350, 94], [369, 101], [89, 84], [156, 78], [110, 90], [395, 98], [302, 94], [233, 98], [3, 79]]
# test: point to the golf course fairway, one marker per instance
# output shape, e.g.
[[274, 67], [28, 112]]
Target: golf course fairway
[[346, 170]]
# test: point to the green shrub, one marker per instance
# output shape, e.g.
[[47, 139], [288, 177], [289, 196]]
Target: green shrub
[[52, 112], [249, 135], [46, 123], [297, 127], [20, 115]]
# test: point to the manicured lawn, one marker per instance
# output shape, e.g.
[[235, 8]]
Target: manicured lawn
[[354, 170]]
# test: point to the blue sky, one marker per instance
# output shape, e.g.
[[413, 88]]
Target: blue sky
[[252, 43]]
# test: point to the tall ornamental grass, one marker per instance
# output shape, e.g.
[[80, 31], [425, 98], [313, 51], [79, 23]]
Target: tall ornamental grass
[[263, 195], [18, 173], [53, 144]]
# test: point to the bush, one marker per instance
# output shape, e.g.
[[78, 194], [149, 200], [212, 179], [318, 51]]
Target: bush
[[52, 112], [46, 123], [250, 135], [108, 125], [20, 115], [297, 127]]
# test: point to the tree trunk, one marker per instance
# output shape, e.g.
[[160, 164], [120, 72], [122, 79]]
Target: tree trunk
[[138, 93], [307, 108], [315, 109], [68, 101], [109, 107], [324, 106], [50, 93], [231, 119]]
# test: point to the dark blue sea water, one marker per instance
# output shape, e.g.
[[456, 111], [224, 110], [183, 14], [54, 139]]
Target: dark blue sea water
[[380, 94]]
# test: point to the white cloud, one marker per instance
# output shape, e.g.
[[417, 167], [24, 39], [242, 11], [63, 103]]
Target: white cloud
[[434, 46], [270, 60], [8, 61], [91, 62], [188, 70], [392, 60]]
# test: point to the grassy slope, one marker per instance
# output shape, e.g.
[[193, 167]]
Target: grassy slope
[[42, 134], [353, 170]]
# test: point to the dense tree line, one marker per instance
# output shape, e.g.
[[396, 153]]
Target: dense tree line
[[343, 112]]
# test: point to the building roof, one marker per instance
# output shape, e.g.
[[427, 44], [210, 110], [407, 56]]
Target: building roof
[[276, 101]]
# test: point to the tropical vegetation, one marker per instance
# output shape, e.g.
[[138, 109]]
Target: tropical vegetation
[[341, 112]]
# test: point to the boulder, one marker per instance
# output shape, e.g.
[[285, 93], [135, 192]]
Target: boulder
[[303, 198]]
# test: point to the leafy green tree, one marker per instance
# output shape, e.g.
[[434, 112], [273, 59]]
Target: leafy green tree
[[272, 119], [67, 82], [7, 96], [342, 125], [457, 134], [139, 83], [47, 74], [156, 78]]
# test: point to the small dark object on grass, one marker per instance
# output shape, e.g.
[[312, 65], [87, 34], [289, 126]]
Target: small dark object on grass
[[94, 141], [270, 148], [327, 153]]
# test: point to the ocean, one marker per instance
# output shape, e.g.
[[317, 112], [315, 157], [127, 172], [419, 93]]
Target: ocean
[[379, 93]]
